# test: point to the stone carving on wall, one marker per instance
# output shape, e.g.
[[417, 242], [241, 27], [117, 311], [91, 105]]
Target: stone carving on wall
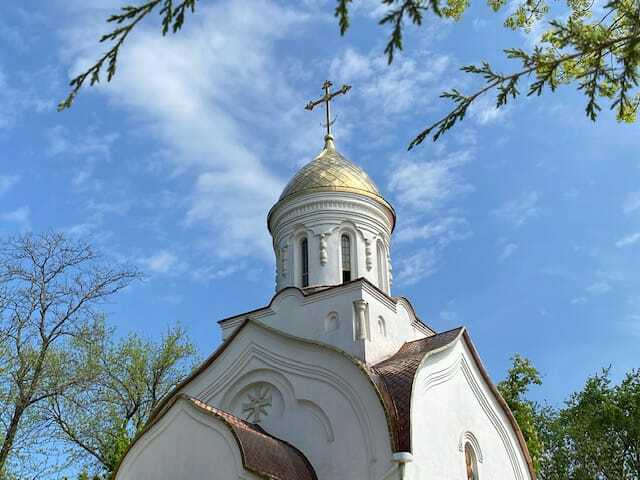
[[361, 319], [323, 249], [389, 270], [367, 252], [258, 401]]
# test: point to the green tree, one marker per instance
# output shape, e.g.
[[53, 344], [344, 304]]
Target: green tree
[[99, 422], [50, 290], [593, 47], [520, 377], [597, 434]]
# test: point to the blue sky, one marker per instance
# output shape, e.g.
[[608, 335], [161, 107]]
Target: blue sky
[[522, 224]]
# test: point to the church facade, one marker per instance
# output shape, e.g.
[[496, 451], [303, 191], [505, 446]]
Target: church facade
[[335, 378]]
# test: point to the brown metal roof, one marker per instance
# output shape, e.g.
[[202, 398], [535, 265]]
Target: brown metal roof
[[397, 374], [394, 378], [262, 453]]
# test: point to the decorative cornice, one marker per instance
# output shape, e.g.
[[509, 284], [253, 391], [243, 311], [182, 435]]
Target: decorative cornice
[[285, 211]]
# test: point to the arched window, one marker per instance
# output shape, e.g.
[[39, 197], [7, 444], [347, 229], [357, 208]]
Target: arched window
[[471, 462], [382, 326], [304, 262], [345, 244]]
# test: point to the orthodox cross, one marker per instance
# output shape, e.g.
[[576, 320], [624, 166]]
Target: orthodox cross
[[326, 99]]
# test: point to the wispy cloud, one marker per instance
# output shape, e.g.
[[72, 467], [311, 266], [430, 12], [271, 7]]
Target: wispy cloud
[[427, 185], [628, 240], [519, 211], [443, 230], [416, 267], [406, 86], [507, 251], [213, 88], [161, 262], [599, 288], [21, 217], [632, 203], [7, 181]]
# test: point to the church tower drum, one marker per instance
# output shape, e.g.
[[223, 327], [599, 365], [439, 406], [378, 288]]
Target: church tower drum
[[331, 226]]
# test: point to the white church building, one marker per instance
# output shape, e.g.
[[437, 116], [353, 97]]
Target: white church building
[[336, 378]]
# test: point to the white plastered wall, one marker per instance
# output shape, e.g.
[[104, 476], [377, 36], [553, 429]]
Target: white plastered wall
[[331, 317], [319, 401], [452, 404], [185, 444]]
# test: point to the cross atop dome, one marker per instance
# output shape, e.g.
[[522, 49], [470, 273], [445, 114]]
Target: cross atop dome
[[326, 99]]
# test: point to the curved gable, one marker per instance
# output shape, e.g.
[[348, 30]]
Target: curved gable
[[179, 443], [397, 376]]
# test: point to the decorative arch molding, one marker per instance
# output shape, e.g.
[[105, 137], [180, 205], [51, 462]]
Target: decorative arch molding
[[460, 364], [468, 437], [266, 359], [144, 442]]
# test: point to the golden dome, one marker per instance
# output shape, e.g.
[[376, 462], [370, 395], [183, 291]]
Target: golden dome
[[331, 172]]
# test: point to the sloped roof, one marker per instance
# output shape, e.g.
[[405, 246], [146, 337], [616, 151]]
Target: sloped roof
[[397, 374], [262, 454], [395, 377]]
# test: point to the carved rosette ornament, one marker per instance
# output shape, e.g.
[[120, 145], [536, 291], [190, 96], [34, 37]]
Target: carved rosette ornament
[[323, 249], [257, 402]]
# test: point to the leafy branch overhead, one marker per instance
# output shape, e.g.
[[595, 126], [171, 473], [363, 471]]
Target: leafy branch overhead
[[173, 16], [601, 56], [596, 49]]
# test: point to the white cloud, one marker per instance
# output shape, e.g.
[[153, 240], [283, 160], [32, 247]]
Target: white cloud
[[162, 262], [20, 96], [407, 85], [428, 185], [628, 240], [419, 265], [7, 181], [206, 95], [518, 211], [632, 203], [443, 230], [599, 288], [20, 216], [579, 301], [484, 111], [507, 251]]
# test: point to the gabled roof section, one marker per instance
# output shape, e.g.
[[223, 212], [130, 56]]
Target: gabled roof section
[[263, 454], [395, 377], [397, 373]]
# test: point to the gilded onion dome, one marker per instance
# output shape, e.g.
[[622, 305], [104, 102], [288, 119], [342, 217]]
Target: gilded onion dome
[[331, 172]]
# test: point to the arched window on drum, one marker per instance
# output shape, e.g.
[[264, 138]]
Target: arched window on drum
[[345, 254], [304, 263]]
